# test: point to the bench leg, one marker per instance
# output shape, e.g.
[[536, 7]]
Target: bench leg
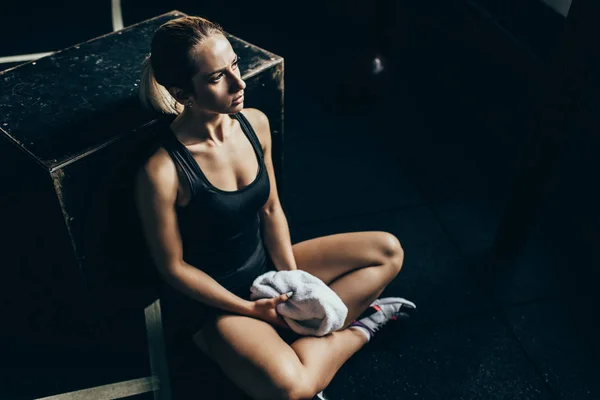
[[156, 350]]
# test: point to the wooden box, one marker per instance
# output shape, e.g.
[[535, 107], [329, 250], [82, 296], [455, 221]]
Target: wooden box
[[72, 134]]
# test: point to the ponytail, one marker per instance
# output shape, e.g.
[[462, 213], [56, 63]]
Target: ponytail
[[154, 96]]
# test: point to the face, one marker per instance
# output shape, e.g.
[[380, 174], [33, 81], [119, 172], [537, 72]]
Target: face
[[218, 82]]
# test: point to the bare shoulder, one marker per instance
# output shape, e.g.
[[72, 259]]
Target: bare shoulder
[[254, 115], [260, 123], [157, 175]]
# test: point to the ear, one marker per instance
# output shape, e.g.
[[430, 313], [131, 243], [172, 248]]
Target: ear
[[180, 95]]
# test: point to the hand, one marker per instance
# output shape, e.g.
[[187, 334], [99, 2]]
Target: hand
[[266, 310]]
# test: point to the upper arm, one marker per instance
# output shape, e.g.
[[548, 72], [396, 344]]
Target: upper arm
[[260, 124], [155, 196]]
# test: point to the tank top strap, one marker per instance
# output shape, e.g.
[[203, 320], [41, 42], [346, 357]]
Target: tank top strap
[[183, 158], [249, 131]]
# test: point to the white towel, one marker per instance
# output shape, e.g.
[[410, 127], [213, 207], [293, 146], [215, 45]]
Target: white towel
[[314, 309]]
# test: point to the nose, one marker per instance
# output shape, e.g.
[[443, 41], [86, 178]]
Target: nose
[[238, 83]]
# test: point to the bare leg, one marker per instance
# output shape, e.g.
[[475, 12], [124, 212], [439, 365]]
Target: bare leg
[[258, 361], [322, 357], [249, 350], [253, 355], [359, 288], [357, 265]]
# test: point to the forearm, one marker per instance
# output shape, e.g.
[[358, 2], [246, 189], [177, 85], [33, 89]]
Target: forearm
[[200, 286], [276, 235]]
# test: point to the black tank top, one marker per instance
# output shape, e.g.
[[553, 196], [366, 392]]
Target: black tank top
[[220, 230]]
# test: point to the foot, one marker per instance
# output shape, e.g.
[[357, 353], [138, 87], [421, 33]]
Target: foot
[[381, 312], [405, 308]]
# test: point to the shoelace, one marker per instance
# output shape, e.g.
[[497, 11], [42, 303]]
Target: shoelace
[[394, 317]]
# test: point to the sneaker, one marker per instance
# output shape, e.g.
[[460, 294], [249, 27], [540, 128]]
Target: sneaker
[[382, 311], [405, 308]]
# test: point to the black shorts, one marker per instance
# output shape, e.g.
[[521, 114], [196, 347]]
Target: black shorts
[[183, 316]]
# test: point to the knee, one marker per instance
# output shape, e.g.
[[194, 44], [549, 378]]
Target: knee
[[290, 383], [394, 252]]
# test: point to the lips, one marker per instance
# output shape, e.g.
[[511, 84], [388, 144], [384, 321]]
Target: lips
[[239, 97]]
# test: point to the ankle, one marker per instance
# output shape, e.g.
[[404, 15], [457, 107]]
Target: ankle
[[360, 332]]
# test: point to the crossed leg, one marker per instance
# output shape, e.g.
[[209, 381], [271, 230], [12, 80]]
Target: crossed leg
[[357, 266]]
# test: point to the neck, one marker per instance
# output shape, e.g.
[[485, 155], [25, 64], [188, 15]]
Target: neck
[[200, 125]]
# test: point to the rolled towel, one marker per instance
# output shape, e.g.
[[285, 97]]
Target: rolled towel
[[314, 308]]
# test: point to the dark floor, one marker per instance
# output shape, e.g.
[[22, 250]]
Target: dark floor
[[430, 159]]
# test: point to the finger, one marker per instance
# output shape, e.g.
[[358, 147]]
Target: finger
[[284, 297]]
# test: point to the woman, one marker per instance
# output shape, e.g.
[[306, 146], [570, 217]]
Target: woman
[[211, 216]]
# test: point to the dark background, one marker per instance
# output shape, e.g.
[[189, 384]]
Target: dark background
[[428, 150]]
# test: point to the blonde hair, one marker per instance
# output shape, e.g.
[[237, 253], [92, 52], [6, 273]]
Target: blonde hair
[[170, 63]]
